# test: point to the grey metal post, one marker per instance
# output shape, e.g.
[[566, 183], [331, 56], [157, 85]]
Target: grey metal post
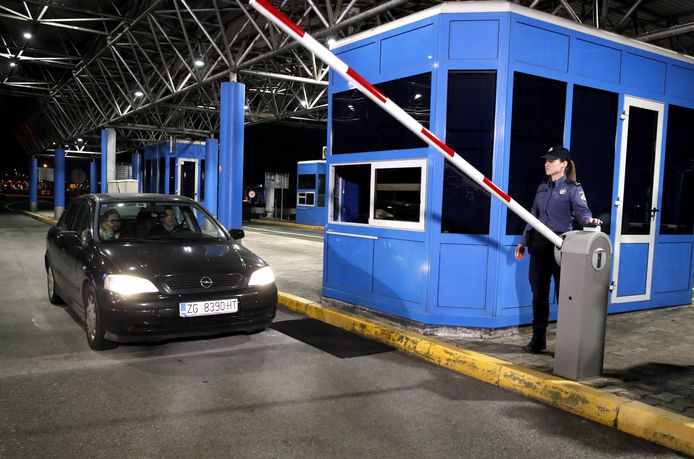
[[585, 273]]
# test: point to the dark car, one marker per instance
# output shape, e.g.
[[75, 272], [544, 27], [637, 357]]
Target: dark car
[[148, 267]]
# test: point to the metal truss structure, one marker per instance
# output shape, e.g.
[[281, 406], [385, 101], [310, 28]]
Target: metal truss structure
[[152, 69]]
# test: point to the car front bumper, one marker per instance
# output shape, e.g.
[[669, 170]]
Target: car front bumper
[[151, 318]]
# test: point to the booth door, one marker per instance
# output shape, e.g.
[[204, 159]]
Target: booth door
[[188, 178], [637, 199]]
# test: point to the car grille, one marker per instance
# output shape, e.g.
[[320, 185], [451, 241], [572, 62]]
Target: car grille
[[189, 284]]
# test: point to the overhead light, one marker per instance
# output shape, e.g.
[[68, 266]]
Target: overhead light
[[304, 103], [80, 139], [27, 35], [417, 96], [246, 107], [199, 63], [139, 93], [45, 165], [331, 42], [13, 64]]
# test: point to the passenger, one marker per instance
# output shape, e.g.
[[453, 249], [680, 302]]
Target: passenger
[[111, 226], [168, 221], [558, 203]]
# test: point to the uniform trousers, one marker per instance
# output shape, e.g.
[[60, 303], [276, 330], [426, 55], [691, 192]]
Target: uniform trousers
[[543, 267]]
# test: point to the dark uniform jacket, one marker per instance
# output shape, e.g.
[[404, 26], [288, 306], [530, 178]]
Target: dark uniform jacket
[[558, 205]]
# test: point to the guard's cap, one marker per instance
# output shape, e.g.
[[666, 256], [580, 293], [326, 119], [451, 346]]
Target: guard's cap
[[559, 153]]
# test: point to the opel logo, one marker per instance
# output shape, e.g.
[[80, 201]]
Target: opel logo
[[206, 282]]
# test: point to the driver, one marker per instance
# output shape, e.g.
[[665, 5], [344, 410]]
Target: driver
[[168, 221]]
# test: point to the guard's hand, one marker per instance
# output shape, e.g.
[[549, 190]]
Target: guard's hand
[[520, 252], [594, 221]]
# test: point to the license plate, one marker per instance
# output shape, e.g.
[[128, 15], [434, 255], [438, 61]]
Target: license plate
[[208, 308]]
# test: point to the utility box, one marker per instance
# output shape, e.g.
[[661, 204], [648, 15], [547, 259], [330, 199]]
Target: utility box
[[122, 186], [583, 288]]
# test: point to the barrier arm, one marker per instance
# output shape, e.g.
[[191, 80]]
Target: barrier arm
[[292, 29]]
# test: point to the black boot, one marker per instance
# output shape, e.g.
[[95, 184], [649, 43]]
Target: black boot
[[537, 344]]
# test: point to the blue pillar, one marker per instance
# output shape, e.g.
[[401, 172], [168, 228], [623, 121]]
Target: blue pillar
[[58, 182], [92, 177], [231, 114], [136, 169], [211, 168], [33, 184], [108, 157]]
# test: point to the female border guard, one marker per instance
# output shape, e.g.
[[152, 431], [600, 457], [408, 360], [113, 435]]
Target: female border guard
[[559, 202]]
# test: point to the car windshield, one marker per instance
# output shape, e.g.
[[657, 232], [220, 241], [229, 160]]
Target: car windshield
[[155, 220]]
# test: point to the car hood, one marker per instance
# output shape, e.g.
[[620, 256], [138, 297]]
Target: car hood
[[156, 258]]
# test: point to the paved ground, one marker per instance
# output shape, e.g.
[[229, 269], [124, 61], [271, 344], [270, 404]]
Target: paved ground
[[649, 355], [260, 395]]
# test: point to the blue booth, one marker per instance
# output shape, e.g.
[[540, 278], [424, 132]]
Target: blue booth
[[310, 193], [407, 234], [175, 168]]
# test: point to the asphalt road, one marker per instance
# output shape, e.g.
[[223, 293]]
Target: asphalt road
[[264, 395]]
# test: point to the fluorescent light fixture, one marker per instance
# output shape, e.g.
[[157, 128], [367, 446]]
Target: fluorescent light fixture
[[13, 64], [263, 276], [80, 139], [304, 103], [331, 42], [139, 93], [199, 63], [417, 96], [128, 285], [27, 35]]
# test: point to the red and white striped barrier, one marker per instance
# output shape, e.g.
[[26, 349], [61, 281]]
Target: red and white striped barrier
[[283, 22]]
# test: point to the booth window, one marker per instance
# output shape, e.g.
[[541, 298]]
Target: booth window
[[470, 117], [307, 198], [352, 192], [172, 175], [321, 190], [146, 173], [307, 181], [161, 174], [384, 193], [593, 133], [537, 123], [359, 125], [202, 180], [677, 215]]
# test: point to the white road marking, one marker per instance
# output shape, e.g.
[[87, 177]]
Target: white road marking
[[262, 230]]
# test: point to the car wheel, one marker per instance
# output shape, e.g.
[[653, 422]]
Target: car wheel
[[92, 323], [50, 281]]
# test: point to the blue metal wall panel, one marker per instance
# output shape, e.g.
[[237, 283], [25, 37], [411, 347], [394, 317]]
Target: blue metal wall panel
[[363, 58], [349, 262], [400, 269], [680, 82], [473, 40], [463, 276], [596, 61], [672, 267], [643, 72], [633, 260], [408, 49], [541, 47]]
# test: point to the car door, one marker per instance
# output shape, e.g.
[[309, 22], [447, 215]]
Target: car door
[[55, 247], [74, 250]]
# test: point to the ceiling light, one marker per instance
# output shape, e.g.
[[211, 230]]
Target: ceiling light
[[13, 64], [27, 35], [332, 42], [139, 93], [80, 139], [199, 63]]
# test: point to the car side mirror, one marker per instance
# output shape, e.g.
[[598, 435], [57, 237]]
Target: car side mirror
[[237, 233], [69, 238]]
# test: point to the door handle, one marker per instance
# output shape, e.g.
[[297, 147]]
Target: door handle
[[654, 211]]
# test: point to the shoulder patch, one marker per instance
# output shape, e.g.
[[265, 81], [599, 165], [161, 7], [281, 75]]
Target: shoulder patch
[[582, 196]]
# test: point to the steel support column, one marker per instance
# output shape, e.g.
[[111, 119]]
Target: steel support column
[[231, 115], [33, 183], [211, 175], [58, 183]]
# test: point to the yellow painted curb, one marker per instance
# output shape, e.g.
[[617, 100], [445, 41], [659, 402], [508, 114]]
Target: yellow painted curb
[[657, 425], [287, 224], [41, 218], [636, 418]]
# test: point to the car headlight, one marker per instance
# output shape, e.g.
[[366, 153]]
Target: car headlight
[[128, 285], [263, 276]]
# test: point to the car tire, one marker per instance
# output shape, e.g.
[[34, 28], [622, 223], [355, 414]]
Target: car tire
[[53, 297], [96, 335]]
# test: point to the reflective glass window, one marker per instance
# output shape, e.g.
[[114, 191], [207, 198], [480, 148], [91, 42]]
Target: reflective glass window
[[359, 125], [678, 178], [307, 181], [470, 132], [352, 192], [537, 124], [397, 194]]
